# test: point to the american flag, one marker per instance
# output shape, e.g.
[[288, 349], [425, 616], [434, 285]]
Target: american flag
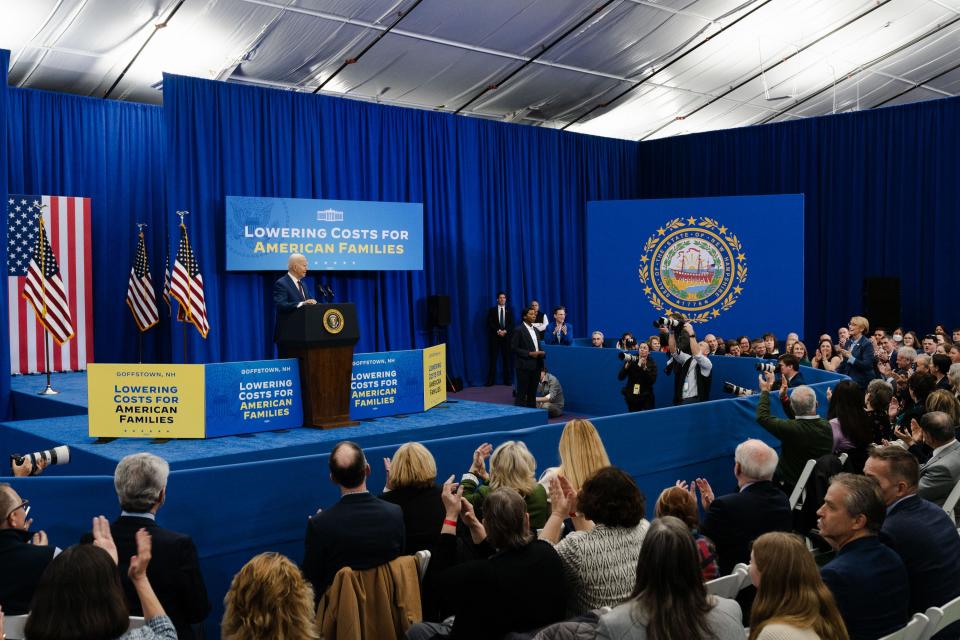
[[141, 297], [186, 285], [67, 229], [166, 279]]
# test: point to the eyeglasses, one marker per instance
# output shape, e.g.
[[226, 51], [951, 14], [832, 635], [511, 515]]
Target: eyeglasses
[[25, 505]]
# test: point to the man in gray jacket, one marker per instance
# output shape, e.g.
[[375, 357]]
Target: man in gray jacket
[[942, 471], [550, 394]]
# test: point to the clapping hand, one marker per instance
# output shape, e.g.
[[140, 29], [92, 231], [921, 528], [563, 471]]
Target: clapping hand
[[706, 493], [103, 538], [893, 408], [766, 381], [451, 496], [469, 517], [386, 467], [563, 499], [479, 465], [829, 393], [139, 562]]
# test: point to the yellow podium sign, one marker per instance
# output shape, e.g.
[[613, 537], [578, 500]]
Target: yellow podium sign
[[434, 376], [146, 400]]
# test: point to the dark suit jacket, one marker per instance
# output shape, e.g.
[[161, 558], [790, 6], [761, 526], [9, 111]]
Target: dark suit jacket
[[361, 531], [174, 571], [861, 370], [735, 520], [21, 565], [926, 540], [870, 584], [493, 321], [522, 345], [423, 515], [286, 296]]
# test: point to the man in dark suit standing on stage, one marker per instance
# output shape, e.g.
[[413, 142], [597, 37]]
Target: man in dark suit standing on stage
[[361, 531], [499, 324], [290, 292], [528, 356], [140, 480]]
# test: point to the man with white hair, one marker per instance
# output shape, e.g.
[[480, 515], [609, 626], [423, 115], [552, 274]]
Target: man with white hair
[[140, 480], [290, 292], [804, 435], [735, 520]]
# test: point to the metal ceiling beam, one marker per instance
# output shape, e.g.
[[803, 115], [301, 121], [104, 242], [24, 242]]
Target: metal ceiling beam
[[921, 85], [666, 65], [156, 27], [875, 61], [732, 88]]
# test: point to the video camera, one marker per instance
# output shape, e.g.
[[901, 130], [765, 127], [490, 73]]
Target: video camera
[[767, 367], [737, 390], [54, 456]]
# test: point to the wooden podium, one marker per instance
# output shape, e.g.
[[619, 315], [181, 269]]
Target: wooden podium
[[321, 337]]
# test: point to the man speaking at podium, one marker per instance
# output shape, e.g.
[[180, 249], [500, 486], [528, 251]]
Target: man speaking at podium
[[290, 292]]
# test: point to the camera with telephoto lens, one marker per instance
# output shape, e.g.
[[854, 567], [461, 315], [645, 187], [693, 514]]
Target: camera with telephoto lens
[[54, 456], [767, 367], [666, 322], [737, 390], [628, 357]]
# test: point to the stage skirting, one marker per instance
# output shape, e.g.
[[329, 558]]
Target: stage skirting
[[236, 510]]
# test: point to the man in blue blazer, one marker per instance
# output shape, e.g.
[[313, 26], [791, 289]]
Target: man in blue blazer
[[868, 579], [858, 356], [921, 533], [290, 292], [562, 331]]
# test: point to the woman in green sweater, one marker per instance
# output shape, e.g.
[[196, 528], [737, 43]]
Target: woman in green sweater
[[511, 465]]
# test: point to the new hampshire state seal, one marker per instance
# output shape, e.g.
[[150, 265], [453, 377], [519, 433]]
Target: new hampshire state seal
[[694, 266]]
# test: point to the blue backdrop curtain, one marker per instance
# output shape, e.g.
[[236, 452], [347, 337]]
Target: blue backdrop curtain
[[4, 342], [503, 206], [882, 194], [111, 152]]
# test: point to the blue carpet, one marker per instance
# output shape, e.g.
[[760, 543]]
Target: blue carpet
[[27, 405]]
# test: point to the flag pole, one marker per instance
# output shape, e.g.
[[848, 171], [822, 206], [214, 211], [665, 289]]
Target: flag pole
[[48, 390], [140, 226], [187, 318]]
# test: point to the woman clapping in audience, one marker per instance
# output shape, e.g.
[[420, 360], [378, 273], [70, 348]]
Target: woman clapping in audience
[[511, 465], [669, 600], [681, 503], [826, 356], [600, 557], [80, 596], [412, 484], [792, 601], [269, 598]]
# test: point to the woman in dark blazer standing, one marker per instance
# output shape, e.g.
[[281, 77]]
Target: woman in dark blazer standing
[[640, 372]]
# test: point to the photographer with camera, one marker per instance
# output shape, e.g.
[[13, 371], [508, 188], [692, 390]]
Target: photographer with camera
[[626, 342], [789, 370], [640, 372], [692, 383]]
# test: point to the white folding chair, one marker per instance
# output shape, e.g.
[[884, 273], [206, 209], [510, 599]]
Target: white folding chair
[[843, 458], [941, 618], [913, 630], [137, 621], [729, 586], [950, 504], [423, 561], [13, 627], [801, 483]]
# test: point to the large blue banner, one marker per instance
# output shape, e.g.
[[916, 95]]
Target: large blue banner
[[339, 235], [246, 397], [732, 265]]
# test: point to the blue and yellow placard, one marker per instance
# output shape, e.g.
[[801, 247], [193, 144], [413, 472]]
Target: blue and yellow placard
[[434, 376], [344, 235], [731, 265], [247, 397], [146, 400]]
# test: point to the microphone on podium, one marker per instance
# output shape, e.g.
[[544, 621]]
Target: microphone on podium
[[329, 292]]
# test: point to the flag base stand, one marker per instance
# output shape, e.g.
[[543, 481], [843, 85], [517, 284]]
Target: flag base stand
[[48, 391]]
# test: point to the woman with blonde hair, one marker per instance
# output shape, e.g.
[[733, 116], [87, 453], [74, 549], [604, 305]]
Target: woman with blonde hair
[[792, 601], [269, 598], [412, 485], [581, 454], [511, 465], [943, 400]]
